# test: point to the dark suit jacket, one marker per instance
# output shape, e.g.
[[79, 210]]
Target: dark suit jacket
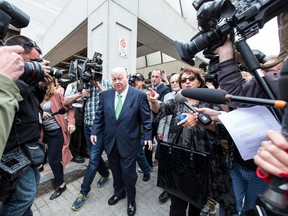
[[162, 90], [127, 129]]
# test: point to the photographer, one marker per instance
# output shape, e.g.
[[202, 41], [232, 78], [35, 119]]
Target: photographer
[[11, 68], [18, 195]]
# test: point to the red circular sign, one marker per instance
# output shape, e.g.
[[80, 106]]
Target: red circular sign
[[122, 43]]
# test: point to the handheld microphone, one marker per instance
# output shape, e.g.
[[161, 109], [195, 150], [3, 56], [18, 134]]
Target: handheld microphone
[[203, 118], [60, 111], [221, 96]]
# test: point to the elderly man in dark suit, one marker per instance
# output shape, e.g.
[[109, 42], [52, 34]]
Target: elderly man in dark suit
[[121, 112]]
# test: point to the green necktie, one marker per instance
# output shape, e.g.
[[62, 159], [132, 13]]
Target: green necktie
[[118, 106]]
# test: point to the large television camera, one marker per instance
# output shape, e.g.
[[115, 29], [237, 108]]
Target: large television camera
[[220, 18], [83, 71], [10, 14]]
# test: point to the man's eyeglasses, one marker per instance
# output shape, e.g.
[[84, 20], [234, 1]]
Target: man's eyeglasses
[[191, 79]]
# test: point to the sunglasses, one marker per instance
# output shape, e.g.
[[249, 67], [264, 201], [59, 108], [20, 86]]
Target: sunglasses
[[191, 79]]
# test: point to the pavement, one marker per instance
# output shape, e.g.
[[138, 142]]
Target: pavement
[[147, 203]]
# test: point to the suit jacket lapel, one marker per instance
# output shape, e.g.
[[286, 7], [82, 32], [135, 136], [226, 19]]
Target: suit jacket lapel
[[112, 102], [127, 102]]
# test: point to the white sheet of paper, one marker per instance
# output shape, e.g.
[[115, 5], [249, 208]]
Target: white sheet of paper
[[248, 128]]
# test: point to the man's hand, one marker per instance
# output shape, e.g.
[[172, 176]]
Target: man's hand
[[47, 78], [11, 62], [160, 136], [93, 139], [149, 143], [226, 51], [164, 78], [85, 92]]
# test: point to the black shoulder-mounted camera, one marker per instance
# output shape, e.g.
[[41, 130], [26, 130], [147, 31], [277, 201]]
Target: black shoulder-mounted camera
[[132, 78], [219, 18], [10, 14], [85, 70]]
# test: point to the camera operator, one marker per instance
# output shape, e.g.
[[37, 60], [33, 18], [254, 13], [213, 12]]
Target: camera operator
[[11, 68], [96, 162], [19, 194], [245, 181]]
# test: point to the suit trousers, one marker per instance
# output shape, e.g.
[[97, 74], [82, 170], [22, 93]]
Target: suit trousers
[[124, 173]]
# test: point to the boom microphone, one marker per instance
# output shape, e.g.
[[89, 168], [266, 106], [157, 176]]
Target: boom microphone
[[203, 118], [221, 96], [60, 111]]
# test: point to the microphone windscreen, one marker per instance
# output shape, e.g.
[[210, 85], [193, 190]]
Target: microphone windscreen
[[216, 96], [283, 81], [179, 98], [62, 111]]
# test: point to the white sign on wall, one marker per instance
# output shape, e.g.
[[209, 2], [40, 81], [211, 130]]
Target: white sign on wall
[[122, 49]]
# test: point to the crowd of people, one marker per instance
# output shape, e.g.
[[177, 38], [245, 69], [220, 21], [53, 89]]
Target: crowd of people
[[126, 117]]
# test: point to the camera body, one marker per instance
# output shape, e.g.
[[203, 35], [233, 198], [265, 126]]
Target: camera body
[[132, 80], [85, 70], [12, 165], [219, 18], [133, 77]]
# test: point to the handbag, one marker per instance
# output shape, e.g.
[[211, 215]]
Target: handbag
[[35, 151], [184, 172]]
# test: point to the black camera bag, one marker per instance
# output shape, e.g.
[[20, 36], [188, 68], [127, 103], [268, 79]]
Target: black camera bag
[[35, 151]]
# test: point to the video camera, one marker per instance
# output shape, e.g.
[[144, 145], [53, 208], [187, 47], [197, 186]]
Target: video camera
[[132, 78], [219, 18], [10, 14], [83, 71]]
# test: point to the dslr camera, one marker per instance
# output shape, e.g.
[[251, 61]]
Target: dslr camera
[[10, 14], [54, 72], [83, 71], [33, 72]]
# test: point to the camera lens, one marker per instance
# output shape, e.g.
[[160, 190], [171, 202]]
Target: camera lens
[[56, 73], [33, 73]]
